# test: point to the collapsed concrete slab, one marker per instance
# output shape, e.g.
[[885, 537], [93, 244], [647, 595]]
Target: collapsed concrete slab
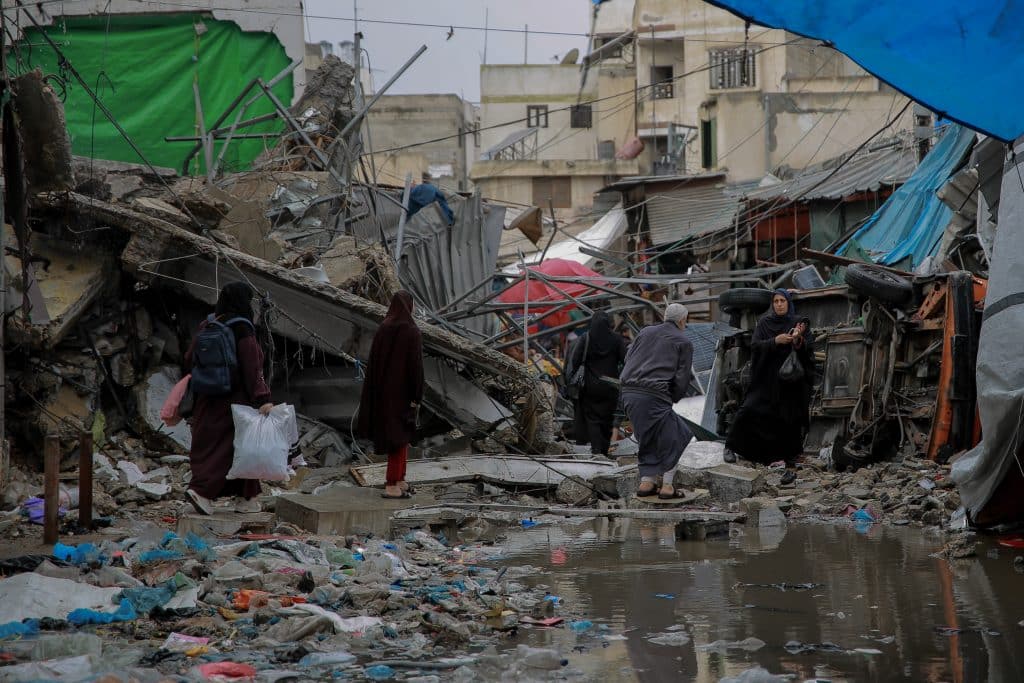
[[313, 313], [508, 470]]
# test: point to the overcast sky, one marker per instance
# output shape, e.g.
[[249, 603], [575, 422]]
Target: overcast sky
[[450, 66]]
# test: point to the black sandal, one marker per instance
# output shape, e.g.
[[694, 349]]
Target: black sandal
[[676, 493], [404, 494], [647, 494]]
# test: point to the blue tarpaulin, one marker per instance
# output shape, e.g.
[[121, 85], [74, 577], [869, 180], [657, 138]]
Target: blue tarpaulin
[[911, 222], [962, 60]]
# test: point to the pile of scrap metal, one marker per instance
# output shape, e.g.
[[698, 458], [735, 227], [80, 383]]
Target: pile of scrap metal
[[113, 266], [896, 357]]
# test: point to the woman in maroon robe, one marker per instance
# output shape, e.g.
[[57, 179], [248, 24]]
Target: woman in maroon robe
[[213, 428], [392, 391]]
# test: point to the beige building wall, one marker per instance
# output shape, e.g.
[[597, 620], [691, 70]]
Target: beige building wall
[[507, 90], [807, 102], [399, 123]]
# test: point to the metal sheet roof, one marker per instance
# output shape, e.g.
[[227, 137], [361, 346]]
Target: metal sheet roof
[[690, 210], [866, 172]]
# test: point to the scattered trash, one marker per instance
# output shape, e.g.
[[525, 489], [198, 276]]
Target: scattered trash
[[669, 638], [540, 658], [581, 626], [783, 586], [665, 596], [747, 645]]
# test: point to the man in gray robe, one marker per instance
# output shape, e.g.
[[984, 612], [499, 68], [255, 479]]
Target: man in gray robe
[[657, 374]]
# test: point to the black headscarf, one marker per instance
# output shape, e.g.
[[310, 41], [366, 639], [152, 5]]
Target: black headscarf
[[772, 324], [603, 339], [235, 301]]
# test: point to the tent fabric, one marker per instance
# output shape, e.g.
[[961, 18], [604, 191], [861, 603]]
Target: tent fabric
[[960, 59], [910, 224], [1000, 374], [143, 69]]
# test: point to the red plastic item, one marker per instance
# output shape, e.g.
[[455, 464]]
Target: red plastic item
[[1012, 542], [228, 670]]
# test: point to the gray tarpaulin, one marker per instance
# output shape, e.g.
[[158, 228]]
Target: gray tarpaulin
[[1000, 374]]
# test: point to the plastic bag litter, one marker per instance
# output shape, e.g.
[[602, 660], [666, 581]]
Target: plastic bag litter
[[756, 675], [82, 617], [69, 668], [12, 629], [262, 442]]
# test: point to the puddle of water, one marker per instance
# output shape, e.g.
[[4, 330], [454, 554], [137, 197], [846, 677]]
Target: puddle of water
[[881, 592]]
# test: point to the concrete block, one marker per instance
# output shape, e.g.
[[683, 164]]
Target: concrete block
[[762, 512], [342, 511], [733, 483]]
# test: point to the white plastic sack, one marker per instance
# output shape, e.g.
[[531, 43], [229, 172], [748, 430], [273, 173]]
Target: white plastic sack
[[262, 442]]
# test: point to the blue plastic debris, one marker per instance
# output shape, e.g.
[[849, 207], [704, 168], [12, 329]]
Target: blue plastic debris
[[665, 596], [581, 626], [553, 598], [144, 600], [85, 553], [862, 515], [529, 523], [380, 672], [157, 555], [29, 627], [81, 617]]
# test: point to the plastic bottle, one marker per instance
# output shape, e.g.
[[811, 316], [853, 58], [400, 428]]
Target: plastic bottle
[[539, 658], [327, 658]]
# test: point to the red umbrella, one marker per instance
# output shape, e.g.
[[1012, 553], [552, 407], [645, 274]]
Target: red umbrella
[[544, 296]]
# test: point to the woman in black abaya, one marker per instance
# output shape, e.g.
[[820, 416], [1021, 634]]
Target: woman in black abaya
[[774, 418], [601, 353]]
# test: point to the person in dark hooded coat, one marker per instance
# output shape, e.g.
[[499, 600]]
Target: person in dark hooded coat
[[213, 427], [601, 354], [774, 418], [393, 390]]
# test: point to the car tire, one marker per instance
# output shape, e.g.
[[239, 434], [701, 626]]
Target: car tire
[[884, 285], [745, 299]]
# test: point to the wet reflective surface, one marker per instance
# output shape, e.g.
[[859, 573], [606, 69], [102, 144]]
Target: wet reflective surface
[[885, 610]]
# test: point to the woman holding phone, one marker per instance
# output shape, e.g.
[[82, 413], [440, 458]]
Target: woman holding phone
[[774, 418]]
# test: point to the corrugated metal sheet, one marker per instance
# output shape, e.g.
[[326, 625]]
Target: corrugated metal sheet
[[442, 262], [866, 172], [690, 211]]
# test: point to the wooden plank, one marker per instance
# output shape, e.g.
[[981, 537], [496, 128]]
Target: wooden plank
[[499, 469]]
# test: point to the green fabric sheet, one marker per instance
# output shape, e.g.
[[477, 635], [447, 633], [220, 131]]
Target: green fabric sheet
[[143, 67]]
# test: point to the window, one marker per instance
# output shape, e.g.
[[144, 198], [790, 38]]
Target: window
[[580, 116], [553, 190], [708, 144], [733, 68], [661, 82], [613, 53], [537, 116]]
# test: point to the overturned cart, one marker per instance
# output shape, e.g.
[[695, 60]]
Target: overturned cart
[[895, 356], [469, 386]]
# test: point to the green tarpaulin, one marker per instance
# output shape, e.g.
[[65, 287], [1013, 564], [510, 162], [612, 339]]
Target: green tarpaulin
[[143, 68]]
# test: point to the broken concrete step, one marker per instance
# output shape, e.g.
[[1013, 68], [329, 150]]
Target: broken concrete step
[[342, 511], [732, 483]]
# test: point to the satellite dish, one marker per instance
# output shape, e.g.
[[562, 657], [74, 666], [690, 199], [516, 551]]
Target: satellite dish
[[571, 56]]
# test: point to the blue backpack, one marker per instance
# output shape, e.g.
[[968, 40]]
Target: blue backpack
[[215, 358]]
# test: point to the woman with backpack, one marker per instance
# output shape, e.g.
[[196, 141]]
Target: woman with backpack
[[392, 391], [226, 363], [600, 355]]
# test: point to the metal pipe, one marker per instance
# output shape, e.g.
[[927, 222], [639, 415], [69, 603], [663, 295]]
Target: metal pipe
[[400, 236], [223, 117], [51, 488], [85, 481], [465, 295], [491, 296], [319, 153], [206, 142]]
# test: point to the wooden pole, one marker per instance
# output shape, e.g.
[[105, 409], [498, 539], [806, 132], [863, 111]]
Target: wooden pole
[[51, 467], [85, 481]]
